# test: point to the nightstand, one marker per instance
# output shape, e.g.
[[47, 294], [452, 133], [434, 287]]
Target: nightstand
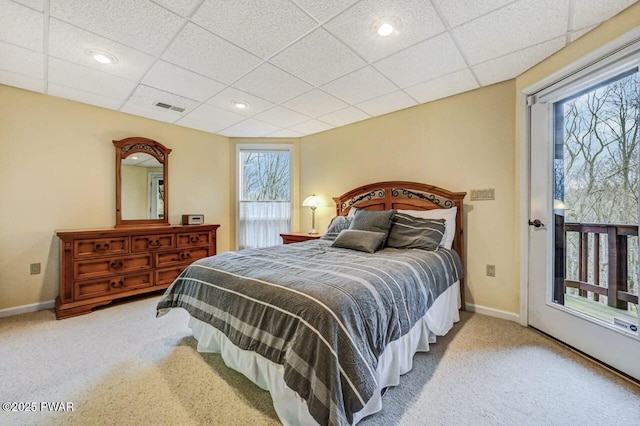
[[296, 237]]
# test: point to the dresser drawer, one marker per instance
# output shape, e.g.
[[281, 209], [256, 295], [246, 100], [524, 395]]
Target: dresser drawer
[[166, 276], [94, 268], [151, 242], [192, 239], [111, 285], [180, 257], [100, 247]]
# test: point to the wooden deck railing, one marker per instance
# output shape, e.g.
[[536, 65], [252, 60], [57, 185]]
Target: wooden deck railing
[[616, 239]]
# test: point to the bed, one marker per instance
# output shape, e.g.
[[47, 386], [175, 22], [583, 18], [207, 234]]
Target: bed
[[326, 329]]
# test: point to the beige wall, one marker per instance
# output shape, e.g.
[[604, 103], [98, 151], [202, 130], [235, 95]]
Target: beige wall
[[134, 192], [57, 172], [459, 143]]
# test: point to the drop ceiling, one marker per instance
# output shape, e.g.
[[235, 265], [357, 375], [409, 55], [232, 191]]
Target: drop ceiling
[[303, 66]]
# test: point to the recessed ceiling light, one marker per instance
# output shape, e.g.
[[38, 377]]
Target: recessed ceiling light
[[101, 56], [133, 157], [385, 29], [386, 26], [240, 104]]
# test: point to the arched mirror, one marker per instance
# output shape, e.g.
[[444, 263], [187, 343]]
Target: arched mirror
[[142, 187]]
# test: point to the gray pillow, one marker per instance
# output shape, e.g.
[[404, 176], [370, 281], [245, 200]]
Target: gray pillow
[[360, 240], [409, 232], [373, 221], [337, 224]]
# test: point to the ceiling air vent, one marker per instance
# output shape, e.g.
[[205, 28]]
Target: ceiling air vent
[[171, 107]]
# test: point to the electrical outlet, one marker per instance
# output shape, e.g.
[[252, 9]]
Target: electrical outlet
[[34, 268], [491, 270]]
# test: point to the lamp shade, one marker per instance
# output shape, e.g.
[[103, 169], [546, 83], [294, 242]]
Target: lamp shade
[[312, 201]]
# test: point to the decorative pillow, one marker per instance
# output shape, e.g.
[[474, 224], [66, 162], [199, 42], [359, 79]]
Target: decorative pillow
[[337, 224], [373, 221], [354, 239], [449, 216], [409, 232]]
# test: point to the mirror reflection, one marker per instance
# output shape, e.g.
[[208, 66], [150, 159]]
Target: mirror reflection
[[142, 180]]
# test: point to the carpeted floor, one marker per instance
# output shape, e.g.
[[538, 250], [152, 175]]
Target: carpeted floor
[[121, 365]]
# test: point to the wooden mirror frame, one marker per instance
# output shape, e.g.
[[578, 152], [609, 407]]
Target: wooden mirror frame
[[127, 147]]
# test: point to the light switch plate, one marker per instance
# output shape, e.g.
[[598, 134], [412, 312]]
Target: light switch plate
[[483, 194]]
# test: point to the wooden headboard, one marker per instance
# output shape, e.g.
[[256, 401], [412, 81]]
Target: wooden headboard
[[401, 195]]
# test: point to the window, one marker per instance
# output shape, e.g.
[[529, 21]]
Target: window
[[264, 198]]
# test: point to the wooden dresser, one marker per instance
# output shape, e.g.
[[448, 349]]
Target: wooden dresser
[[100, 265]]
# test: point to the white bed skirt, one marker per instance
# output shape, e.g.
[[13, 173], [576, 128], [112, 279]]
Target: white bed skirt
[[397, 359]]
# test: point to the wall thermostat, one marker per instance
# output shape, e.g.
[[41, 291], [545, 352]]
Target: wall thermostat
[[192, 219]]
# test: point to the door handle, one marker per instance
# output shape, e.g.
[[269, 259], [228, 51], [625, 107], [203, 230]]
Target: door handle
[[536, 223]]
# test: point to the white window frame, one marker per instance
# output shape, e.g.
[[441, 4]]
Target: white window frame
[[260, 147]]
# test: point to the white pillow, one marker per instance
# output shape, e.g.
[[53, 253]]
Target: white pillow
[[449, 216]]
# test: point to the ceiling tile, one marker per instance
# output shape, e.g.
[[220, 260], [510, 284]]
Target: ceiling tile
[[84, 97], [250, 128], [311, 126], [359, 86], [33, 4], [21, 25], [89, 80], [224, 100], [593, 12], [202, 52], [344, 116], [23, 61], [323, 10], [146, 96], [514, 64], [140, 24], [461, 11], [417, 63], [171, 78], [272, 83], [357, 26], [21, 81], [315, 103], [457, 82], [263, 27], [318, 58], [210, 119], [514, 27], [285, 133], [181, 7], [72, 44], [281, 117], [388, 103]]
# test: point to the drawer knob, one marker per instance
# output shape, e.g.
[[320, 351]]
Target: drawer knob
[[101, 247], [154, 243], [118, 284], [185, 256], [116, 264], [194, 238]]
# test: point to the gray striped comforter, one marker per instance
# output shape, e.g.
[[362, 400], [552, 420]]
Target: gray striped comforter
[[325, 314]]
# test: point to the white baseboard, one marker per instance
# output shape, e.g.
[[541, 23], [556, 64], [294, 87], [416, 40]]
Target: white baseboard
[[510, 316], [25, 309]]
